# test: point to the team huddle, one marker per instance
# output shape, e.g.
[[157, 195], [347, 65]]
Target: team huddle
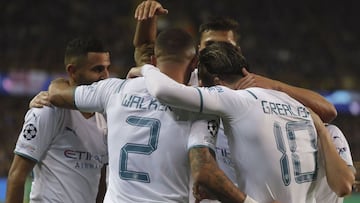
[[190, 123]]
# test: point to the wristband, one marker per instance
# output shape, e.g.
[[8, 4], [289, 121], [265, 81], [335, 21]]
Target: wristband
[[248, 199]]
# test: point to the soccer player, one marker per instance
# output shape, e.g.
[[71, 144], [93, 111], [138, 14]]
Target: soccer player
[[150, 144], [325, 192], [66, 149], [218, 29], [271, 135]]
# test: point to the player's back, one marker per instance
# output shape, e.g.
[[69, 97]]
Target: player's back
[[148, 147], [274, 144]]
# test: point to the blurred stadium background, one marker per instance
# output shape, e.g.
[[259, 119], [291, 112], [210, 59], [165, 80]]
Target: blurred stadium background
[[312, 44]]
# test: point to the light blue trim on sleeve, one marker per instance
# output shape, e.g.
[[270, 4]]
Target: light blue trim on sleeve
[[26, 156], [122, 84], [201, 100], [201, 146], [252, 94]]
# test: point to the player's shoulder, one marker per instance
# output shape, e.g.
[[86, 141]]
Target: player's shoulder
[[110, 81], [45, 113], [253, 93], [134, 85], [333, 129]]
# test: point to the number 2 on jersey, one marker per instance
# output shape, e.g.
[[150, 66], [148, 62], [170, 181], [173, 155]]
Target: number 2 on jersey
[[154, 125], [291, 128]]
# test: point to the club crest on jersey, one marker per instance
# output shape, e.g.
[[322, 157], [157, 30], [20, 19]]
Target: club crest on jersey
[[29, 131], [213, 127]]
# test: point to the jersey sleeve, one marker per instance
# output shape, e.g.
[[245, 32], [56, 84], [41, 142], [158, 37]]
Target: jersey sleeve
[[95, 97], [37, 133], [204, 133], [212, 100], [341, 144]]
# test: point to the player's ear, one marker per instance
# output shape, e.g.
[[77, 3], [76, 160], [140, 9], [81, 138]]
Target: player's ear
[[71, 70], [194, 62]]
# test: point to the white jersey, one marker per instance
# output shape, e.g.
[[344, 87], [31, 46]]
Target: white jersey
[[324, 192], [223, 154], [148, 141], [271, 136], [69, 150]]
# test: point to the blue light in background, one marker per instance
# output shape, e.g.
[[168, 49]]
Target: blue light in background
[[2, 189]]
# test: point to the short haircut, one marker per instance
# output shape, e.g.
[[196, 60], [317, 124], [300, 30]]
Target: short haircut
[[174, 45], [78, 48], [221, 59], [221, 24]]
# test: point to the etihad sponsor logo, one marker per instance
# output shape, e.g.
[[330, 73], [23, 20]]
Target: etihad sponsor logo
[[84, 156]]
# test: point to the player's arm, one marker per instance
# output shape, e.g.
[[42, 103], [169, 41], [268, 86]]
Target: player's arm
[[210, 182], [182, 96], [209, 176], [19, 170], [313, 100], [146, 29], [61, 93], [339, 176]]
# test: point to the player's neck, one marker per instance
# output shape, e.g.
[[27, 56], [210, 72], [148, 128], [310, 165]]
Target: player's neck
[[87, 115], [174, 71]]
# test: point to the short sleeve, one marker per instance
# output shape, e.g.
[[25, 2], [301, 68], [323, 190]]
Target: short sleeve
[[37, 133], [203, 133], [341, 144], [95, 97]]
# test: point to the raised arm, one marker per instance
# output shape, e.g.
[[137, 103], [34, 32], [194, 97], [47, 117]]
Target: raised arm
[[61, 93], [146, 30], [339, 176], [311, 99]]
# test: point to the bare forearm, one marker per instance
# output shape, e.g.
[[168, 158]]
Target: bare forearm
[[326, 111], [61, 94], [144, 40], [15, 192], [145, 32], [15, 188], [207, 174]]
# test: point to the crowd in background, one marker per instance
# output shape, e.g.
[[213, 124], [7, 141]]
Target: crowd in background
[[304, 43]]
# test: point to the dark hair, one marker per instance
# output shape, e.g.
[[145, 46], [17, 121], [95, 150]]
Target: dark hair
[[221, 59], [79, 47], [173, 44], [220, 24]]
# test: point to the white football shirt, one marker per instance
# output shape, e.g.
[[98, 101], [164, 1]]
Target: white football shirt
[[324, 192], [69, 150], [271, 136], [222, 152], [148, 141]]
